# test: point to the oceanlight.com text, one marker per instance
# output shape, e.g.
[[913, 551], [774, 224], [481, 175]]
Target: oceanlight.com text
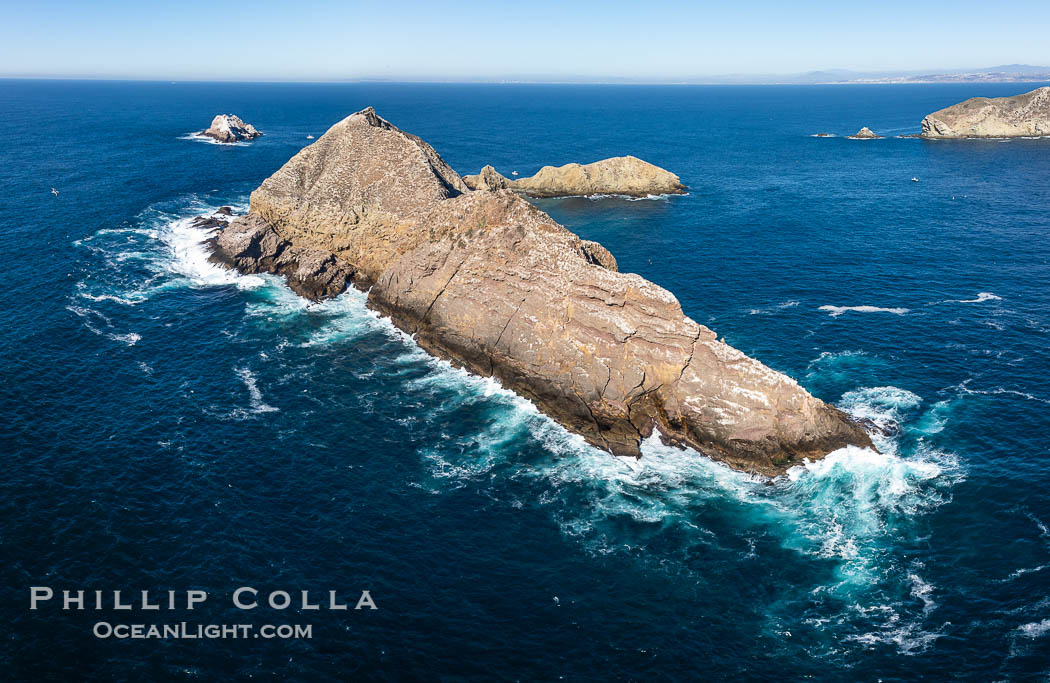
[[186, 631]]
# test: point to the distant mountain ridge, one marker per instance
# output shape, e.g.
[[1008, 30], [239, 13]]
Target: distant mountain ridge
[[1007, 73]]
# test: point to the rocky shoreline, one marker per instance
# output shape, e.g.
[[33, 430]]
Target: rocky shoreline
[[486, 280]]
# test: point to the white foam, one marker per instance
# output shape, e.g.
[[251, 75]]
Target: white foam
[[1036, 629], [189, 258], [87, 315], [256, 404], [909, 638], [163, 244], [773, 309], [199, 137], [841, 503], [935, 419], [885, 406], [838, 508], [630, 198], [923, 591], [1018, 573], [884, 479], [131, 338], [999, 391], [127, 301], [981, 297], [836, 311]]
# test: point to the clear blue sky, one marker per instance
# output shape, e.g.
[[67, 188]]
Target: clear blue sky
[[534, 39]]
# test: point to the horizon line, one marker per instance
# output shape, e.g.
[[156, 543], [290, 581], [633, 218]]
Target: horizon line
[[724, 81]]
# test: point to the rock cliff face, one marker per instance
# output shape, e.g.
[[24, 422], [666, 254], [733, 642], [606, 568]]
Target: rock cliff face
[[628, 176], [1000, 117], [230, 128], [493, 284]]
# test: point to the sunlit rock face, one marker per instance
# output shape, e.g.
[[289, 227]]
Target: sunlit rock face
[[1026, 115], [495, 285]]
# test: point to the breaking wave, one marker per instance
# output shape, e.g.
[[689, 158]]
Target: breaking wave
[[848, 511]]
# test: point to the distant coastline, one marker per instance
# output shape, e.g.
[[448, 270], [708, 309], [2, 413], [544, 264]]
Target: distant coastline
[[1012, 73]]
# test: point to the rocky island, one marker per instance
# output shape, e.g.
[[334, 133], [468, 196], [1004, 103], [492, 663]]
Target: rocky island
[[628, 176], [1026, 115], [864, 133], [491, 283], [230, 128]]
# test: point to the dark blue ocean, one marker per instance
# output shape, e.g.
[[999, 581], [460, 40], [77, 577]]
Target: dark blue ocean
[[167, 425]]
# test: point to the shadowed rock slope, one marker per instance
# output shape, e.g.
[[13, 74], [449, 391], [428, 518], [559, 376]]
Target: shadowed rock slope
[[493, 284]]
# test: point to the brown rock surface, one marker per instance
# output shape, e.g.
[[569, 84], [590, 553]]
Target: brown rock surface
[[495, 285], [488, 179], [1000, 117], [629, 176]]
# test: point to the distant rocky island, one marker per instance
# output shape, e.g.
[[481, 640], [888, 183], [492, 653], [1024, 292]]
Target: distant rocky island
[[230, 128], [488, 281], [1026, 115], [628, 176], [864, 133]]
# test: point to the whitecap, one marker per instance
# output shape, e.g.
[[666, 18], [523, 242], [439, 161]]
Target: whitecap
[[1035, 629], [1018, 573], [981, 297], [836, 311], [131, 338]]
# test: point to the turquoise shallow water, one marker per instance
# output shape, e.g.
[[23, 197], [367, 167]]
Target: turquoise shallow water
[[168, 425]]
